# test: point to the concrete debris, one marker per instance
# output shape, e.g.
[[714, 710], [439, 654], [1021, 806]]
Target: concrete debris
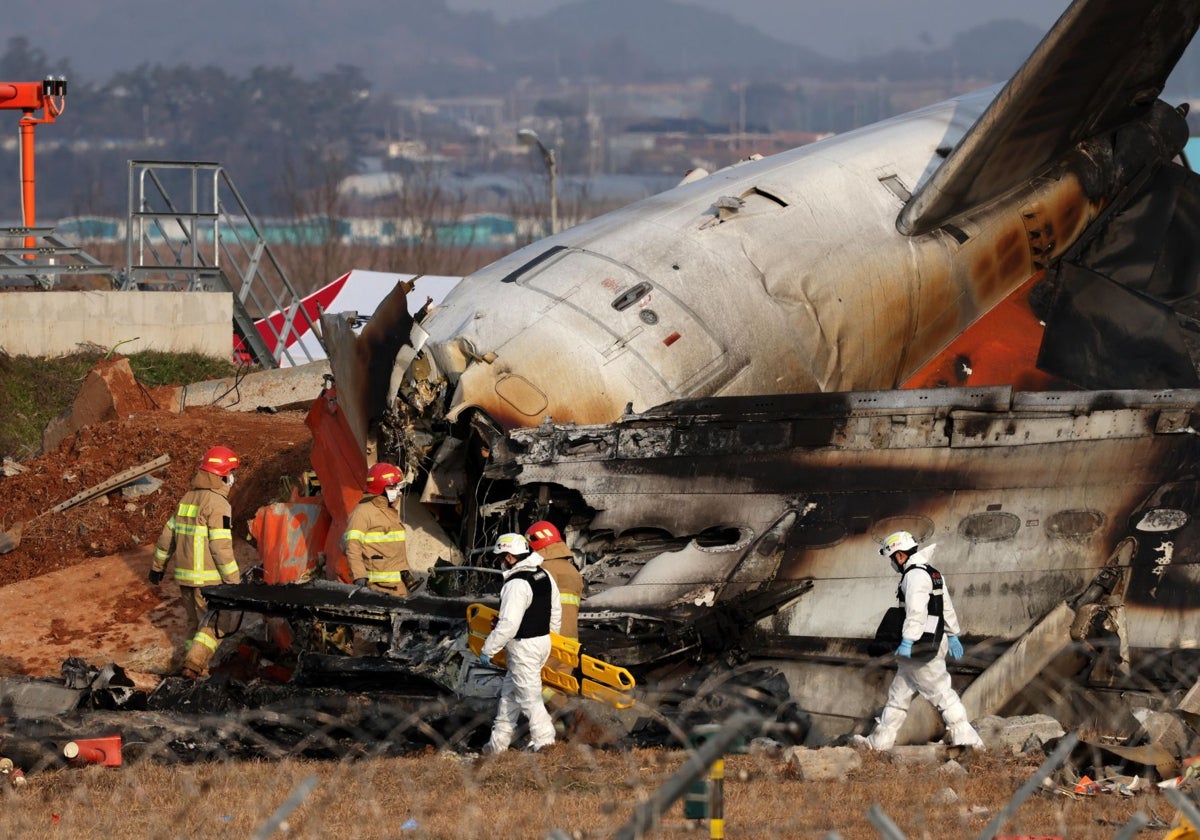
[[1013, 734], [11, 467], [258, 391], [109, 392], [826, 764], [144, 486], [952, 768]]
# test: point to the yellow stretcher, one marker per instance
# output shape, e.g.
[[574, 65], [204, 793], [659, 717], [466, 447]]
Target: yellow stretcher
[[588, 677]]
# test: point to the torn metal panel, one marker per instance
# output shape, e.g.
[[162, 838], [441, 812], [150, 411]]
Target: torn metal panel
[[30, 699]]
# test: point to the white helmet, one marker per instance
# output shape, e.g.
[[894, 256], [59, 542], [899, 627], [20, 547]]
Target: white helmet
[[513, 544], [899, 541]]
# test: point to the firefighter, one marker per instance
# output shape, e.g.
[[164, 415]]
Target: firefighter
[[374, 539], [546, 540], [198, 540], [928, 617], [530, 611]]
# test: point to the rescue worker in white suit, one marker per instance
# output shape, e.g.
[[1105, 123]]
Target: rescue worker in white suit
[[530, 610], [926, 600]]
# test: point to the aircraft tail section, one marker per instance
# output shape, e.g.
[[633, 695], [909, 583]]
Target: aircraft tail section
[[1102, 64]]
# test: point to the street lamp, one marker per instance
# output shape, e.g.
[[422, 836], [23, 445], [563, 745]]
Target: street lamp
[[528, 137]]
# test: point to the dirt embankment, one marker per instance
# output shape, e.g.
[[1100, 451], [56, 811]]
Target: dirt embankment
[[76, 584]]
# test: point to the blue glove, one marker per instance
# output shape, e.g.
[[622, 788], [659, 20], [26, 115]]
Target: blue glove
[[485, 659], [956, 650], [905, 649]]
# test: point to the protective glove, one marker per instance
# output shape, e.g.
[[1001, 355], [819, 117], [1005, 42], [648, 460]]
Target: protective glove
[[360, 581], [956, 650], [155, 577], [485, 659], [905, 649]]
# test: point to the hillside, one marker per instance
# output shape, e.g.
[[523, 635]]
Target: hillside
[[422, 47]]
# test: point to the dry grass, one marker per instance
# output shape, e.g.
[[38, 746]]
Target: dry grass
[[587, 793]]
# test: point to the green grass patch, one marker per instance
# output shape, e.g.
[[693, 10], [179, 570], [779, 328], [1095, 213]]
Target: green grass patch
[[33, 391]]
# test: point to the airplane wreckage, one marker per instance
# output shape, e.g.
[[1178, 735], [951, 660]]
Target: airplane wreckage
[[979, 322]]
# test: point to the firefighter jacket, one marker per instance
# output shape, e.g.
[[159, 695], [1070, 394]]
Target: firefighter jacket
[[558, 562], [374, 544], [198, 538]]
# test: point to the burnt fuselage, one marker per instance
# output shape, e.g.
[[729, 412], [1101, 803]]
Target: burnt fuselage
[[1027, 497]]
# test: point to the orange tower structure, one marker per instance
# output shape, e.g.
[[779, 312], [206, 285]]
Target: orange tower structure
[[49, 96]]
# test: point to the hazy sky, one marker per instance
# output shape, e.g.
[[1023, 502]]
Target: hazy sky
[[845, 27]]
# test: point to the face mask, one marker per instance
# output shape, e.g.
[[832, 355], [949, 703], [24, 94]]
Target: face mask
[[392, 493], [229, 480]]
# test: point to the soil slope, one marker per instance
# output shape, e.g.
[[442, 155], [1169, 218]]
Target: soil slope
[[76, 585]]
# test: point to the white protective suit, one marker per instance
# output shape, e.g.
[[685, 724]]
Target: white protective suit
[[930, 678], [522, 689]]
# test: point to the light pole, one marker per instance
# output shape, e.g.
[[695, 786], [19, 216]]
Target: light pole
[[528, 137]]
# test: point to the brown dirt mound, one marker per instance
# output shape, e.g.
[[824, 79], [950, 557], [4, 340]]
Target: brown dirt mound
[[274, 450]]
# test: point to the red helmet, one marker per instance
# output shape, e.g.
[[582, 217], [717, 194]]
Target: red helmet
[[220, 460], [542, 534], [382, 476]]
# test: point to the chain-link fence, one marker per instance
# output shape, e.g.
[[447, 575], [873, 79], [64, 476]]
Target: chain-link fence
[[227, 758]]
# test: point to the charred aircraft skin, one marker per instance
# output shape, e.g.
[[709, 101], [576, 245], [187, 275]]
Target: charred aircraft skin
[[1028, 497]]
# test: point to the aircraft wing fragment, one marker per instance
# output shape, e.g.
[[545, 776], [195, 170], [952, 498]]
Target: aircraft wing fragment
[[1074, 86]]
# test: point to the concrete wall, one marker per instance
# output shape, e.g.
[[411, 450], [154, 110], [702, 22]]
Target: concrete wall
[[55, 323]]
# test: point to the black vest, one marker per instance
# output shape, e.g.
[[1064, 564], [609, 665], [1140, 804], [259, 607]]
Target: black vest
[[536, 621], [928, 644]]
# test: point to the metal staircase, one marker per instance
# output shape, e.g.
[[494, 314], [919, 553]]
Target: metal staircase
[[190, 230], [37, 257]]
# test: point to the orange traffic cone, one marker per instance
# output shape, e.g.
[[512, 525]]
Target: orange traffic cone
[[104, 751]]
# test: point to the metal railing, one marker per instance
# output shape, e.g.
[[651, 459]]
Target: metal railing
[[50, 257], [190, 230]]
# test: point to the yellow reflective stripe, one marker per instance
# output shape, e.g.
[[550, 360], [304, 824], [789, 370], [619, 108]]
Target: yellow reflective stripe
[[192, 577], [568, 598], [229, 569], [161, 554], [206, 640], [191, 511], [375, 536], [190, 528], [385, 577], [220, 534]]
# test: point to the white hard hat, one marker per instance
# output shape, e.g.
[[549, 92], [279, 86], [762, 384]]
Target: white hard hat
[[899, 541], [513, 544]]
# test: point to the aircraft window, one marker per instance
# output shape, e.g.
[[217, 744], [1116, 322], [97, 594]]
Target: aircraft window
[[992, 526], [631, 296], [714, 537], [921, 527], [820, 534], [1161, 519], [1074, 523], [515, 275]]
